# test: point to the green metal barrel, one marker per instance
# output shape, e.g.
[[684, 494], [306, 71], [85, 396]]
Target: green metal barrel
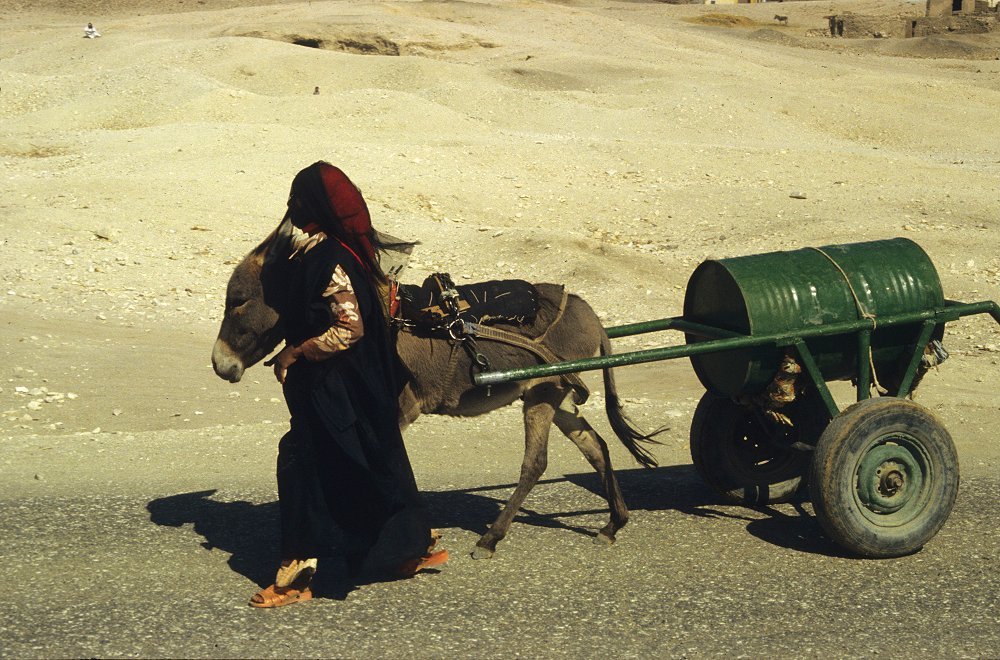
[[782, 292]]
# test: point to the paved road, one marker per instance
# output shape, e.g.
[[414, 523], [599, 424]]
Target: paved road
[[149, 544]]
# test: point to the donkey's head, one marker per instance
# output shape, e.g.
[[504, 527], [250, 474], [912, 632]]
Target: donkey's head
[[251, 326]]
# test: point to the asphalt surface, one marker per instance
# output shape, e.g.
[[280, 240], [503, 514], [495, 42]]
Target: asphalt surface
[[137, 519], [149, 545]]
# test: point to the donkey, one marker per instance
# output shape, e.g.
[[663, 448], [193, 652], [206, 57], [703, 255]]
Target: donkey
[[437, 379], [782, 20]]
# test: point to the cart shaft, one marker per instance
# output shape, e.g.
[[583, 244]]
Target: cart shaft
[[728, 340]]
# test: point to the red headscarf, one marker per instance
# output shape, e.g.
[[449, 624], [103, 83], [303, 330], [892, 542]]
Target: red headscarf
[[348, 207], [323, 194]]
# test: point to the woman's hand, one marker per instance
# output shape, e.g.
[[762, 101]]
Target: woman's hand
[[284, 359]]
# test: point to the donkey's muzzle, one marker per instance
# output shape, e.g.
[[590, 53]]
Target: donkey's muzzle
[[227, 365]]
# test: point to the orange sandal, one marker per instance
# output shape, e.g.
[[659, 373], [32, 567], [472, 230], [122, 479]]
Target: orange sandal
[[430, 560], [276, 596]]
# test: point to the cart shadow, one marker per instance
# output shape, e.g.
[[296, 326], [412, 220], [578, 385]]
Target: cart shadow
[[680, 488], [799, 531], [249, 531]]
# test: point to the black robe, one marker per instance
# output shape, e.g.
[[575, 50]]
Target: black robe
[[345, 485]]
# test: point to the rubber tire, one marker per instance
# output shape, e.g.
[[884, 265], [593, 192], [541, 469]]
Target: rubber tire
[[717, 433], [835, 486]]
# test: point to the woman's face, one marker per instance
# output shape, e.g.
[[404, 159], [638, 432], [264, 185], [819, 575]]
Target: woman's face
[[299, 218]]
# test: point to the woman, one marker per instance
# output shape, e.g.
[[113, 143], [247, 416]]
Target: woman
[[345, 486]]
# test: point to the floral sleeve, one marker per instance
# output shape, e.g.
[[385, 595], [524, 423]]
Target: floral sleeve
[[347, 327]]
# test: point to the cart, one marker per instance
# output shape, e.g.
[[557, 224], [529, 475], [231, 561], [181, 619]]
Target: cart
[[765, 334]]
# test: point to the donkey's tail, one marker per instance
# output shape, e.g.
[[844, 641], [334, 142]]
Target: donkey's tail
[[623, 427]]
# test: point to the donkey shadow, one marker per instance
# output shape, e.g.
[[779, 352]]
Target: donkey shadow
[[249, 532]]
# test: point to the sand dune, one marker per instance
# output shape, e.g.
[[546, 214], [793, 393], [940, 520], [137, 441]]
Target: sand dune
[[611, 146]]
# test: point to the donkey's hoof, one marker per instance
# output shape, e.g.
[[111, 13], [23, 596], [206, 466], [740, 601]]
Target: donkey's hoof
[[603, 538], [482, 553]]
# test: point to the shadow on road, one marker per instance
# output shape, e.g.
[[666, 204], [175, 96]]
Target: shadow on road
[[800, 532], [679, 487], [249, 532]]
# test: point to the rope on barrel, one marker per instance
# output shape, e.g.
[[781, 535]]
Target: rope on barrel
[[864, 314]]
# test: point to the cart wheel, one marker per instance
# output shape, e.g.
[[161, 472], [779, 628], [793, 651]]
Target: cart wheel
[[884, 477], [748, 459]]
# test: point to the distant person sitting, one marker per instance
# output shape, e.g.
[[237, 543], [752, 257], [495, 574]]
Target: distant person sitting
[[90, 32]]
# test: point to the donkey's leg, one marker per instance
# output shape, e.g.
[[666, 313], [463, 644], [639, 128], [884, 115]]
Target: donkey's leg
[[576, 428], [539, 407], [409, 407]]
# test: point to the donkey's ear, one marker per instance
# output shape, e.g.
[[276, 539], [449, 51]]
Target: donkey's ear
[[280, 243]]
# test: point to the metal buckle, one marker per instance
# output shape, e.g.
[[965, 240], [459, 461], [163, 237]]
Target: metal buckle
[[456, 329]]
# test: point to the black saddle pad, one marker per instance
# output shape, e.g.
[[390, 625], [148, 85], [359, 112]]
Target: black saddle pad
[[495, 301]]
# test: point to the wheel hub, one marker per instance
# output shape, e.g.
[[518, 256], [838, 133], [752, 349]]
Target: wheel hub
[[892, 479], [889, 476]]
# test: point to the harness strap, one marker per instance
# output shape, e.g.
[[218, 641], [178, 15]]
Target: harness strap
[[452, 367], [562, 308], [533, 346], [461, 332]]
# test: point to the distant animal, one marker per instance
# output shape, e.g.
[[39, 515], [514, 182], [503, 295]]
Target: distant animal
[[781, 19], [438, 380]]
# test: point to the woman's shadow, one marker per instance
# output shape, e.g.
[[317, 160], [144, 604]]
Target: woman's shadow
[[249, 532]]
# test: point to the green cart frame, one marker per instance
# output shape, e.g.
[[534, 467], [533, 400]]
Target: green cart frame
[[882, 474]]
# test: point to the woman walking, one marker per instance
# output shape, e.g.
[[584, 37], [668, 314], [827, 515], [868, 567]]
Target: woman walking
[[345, 486]]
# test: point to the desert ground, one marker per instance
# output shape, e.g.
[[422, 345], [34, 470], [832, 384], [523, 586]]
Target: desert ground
[[611, 146]]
